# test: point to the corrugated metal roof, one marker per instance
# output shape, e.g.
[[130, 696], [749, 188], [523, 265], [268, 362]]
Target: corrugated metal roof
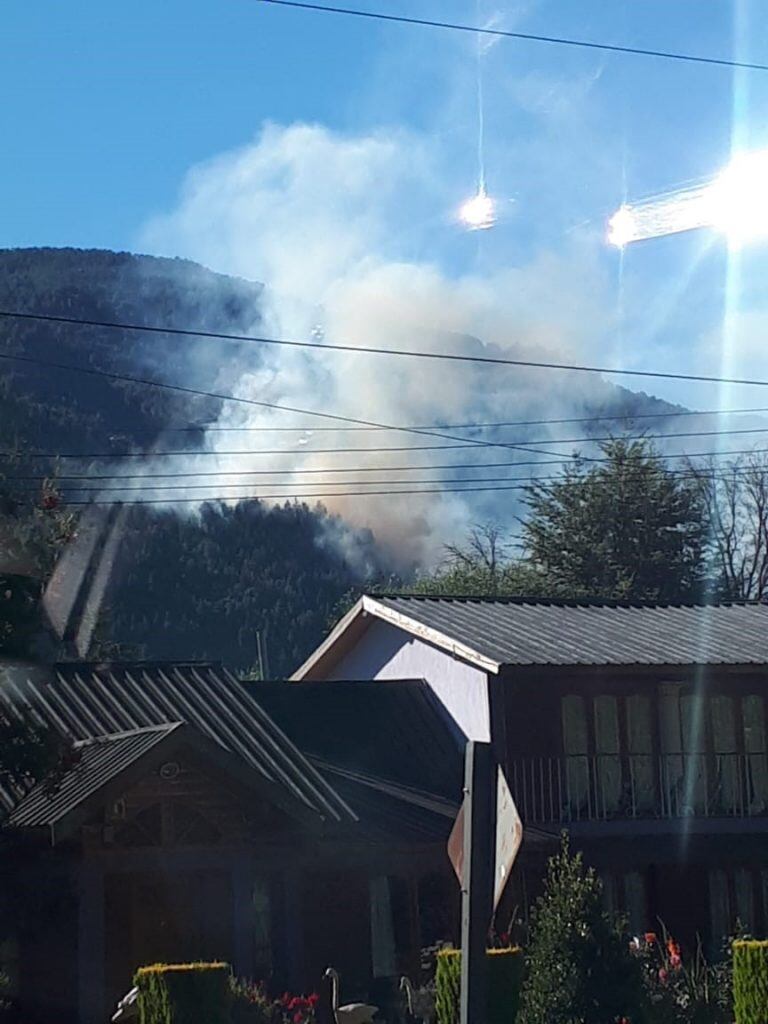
[[521, 632], [98, 762], [85, 701], [391, 729]]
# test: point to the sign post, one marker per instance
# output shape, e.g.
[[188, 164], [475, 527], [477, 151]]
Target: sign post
[[482, 847], [477, 879]]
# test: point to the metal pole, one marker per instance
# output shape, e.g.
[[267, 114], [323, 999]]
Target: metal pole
[[477, 890]]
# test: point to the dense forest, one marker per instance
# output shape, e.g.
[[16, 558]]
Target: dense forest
[[191, 584]]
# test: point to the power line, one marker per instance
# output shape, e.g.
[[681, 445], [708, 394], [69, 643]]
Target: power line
[[623, 417], [499, 33], [147, 382], [362, 349], [55, 478], [526, 482], [302, 497], [198, 452], [380, 449]]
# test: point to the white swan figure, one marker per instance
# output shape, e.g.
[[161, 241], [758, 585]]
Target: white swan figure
[[351, 1013]]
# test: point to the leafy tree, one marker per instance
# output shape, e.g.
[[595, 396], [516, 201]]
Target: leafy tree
[[483, 567], [628, 528], [734, 500], [579, 966]]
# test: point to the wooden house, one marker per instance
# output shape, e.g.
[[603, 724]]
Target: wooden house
[[199, 818], [640, 729]]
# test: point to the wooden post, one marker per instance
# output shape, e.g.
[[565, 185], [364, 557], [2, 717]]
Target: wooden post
[[477, 889], [242, 916]]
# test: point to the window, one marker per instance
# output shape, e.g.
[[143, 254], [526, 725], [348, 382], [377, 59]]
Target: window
[[576, 747], [608, 746], [739, 895], [625, 895]]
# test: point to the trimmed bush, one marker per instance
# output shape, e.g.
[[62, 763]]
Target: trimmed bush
[[750, 981], [505, 979], [183, 993]]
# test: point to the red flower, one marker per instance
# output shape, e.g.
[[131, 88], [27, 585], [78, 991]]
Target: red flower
[[650, 938], [662, 976], [314, 999], [298, 1017]]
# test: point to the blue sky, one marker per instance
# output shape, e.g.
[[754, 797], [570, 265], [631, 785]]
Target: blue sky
[[109, 108]]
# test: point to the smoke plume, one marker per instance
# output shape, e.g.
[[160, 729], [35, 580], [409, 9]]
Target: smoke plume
[[335, 227]]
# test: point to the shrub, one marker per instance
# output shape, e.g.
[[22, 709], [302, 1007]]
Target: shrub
[[750, 981], [579, 968], [505, 975], [684, 989], [251, 1004], [183, 993]]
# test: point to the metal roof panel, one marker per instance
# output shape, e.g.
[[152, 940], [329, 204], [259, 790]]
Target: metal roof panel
[[526, 632]]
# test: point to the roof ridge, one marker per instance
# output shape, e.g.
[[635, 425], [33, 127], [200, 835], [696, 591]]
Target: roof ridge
[[126, 733], [564, 602]]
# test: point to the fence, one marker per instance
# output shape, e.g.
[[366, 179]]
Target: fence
[[607, 786]]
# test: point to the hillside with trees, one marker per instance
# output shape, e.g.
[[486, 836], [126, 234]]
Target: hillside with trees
[[184, 585]]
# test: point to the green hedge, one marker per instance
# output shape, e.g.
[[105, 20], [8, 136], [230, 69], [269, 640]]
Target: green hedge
[[750, 981], [505, 979], [183, 993]]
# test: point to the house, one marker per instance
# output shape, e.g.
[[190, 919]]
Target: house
[[639, 728], [187, 824]]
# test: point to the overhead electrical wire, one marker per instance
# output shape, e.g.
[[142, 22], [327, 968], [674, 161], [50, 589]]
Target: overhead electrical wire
[[379, 449], [499, 33], [597, 418], [525, 482], [719, 453], [148, 382], [320, 346], [304, 496]]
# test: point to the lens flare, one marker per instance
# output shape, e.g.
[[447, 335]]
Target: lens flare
[[622, 227], [479, 212], [735, 203], [738, 199]]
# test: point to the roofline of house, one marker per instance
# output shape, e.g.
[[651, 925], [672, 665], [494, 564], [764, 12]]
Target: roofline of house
[[222, 762], [341, 639]]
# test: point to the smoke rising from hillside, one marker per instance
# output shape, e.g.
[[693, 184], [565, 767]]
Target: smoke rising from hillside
[[336, 228]]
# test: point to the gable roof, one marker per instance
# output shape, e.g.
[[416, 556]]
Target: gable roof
[[84, 701], [97, 763], [395, 730], [494, 632], [108, 764]]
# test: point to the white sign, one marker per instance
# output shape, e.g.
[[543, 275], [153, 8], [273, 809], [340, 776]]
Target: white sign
[[509, 835]]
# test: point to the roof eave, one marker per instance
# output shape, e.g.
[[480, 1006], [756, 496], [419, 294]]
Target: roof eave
[[351, 624]]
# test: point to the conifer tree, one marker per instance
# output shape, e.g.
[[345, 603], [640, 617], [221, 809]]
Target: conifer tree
[[580, 969]]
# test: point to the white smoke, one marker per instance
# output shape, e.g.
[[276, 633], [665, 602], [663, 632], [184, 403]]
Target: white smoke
[[343, 231]]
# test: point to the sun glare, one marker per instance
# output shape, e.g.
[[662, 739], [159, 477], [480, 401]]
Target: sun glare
[[479, 212], [735, 203]]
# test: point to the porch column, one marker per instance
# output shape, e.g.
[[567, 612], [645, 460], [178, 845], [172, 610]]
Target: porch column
[[383, 957], [242, 917], [293, 928], [91, 952]]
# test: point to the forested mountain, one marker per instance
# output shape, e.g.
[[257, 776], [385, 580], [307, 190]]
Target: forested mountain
[[184, 585]]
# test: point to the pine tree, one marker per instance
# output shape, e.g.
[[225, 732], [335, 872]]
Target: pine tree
[[580, 969], [626, 528]]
